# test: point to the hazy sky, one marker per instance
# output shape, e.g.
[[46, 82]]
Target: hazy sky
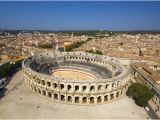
[[80, 15]]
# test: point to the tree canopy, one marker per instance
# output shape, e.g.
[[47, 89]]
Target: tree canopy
[[140, 93], [95, 52], [46, 46]]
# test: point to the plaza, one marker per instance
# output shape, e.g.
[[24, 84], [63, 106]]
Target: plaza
[[20, 102]]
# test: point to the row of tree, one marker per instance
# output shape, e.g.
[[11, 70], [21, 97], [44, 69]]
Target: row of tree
[[94, 52], [7, 69], [76, 45], [46, 46]]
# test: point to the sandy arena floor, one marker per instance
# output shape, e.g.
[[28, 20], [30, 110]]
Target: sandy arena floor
[[19, 102], [71, 74]]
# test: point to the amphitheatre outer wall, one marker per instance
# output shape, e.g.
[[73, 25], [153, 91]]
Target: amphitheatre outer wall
[[78, 92]]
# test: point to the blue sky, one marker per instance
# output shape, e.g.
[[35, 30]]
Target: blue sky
[[80, 15]]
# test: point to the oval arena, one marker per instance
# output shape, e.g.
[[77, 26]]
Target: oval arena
[[76, 77]]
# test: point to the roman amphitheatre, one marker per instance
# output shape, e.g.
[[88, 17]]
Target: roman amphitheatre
[[74, 85], [76, 77]]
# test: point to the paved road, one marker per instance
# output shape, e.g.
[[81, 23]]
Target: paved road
[[151, 113]]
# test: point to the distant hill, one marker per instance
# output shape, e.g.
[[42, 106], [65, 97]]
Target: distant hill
[[82, 32]]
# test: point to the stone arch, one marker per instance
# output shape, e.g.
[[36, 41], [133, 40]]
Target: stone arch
[[105, 98], [62, 98], [118, 83], [91, 99], [113, 84], [35, 89], [84, 88], [112, 96], [69, 87], [76, 88], [43, 82], [38, 80], [39, 91], [117, 94], [121, 91], [99, 87], [54, 85], [44, 92], [49, 84], [61, 86], [99, 99], [84, 100], [106, 86], [77, 99], [55, 96], [92, 88], [32, 87], [49, 94], [69, 99]]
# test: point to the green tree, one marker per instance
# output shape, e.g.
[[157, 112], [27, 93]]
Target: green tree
[[75, 45], [46, 46], [95, 52], [140, 93], [4, 70]]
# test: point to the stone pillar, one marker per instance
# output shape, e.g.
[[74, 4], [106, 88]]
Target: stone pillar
[[109, 96], [110, 86]]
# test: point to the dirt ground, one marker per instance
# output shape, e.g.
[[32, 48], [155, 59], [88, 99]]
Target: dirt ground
[[73, 74]]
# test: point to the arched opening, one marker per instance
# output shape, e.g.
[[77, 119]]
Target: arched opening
[[56, 96], [92, 88], [69, 99], [44, 92], [84, 88], [35, 89], [106, 98], [48, 84], [62, 98], [39, 91], [43, 82], [118, 83], [31, 87], [69, 87], [117, 94], [49, 94], [113, 85], [38, 81], [84, 100], [54, 85], [76, 88], [121, 91], [61, 86], [99, 87], [76, 99], [99, 99], [112, 96], [91, 99], [106, 87]]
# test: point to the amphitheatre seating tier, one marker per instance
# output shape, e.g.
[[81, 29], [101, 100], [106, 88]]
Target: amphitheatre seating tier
[[110, 78]]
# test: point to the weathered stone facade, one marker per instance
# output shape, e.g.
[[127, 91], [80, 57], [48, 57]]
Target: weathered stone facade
[[80, 92]]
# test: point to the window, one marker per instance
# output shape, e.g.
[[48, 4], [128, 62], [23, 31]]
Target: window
[[48, 84], [61, 86], [69, 87], [54, 85], [76, 88], [84, 88], [92, 88]]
